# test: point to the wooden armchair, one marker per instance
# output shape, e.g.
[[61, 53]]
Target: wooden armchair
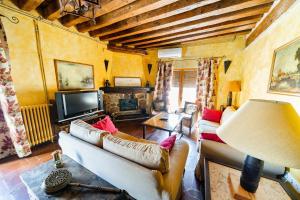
[[158, 106], [190, 115]]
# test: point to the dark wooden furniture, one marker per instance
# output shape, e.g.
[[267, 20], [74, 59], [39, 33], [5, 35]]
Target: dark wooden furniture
[[190, 115], [159, 122], [89, 118], [126, 89], [33, 179], [217, 187]]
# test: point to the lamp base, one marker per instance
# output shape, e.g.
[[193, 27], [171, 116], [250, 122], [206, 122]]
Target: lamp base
[[237, 192], [251, 173]]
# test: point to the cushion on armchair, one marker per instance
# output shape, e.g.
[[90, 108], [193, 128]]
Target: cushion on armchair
[[212, 115]]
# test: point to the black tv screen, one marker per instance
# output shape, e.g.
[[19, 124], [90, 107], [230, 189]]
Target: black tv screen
[[75, 103]]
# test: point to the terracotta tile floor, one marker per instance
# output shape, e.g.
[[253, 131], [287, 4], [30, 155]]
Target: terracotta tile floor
[[11, 187]]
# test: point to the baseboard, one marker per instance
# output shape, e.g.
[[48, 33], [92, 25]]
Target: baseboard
[[295, 184]]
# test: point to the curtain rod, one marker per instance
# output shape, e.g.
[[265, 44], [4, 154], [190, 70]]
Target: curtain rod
[[183, 59], [41, 19]]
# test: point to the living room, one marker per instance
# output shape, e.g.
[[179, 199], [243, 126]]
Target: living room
[[193, 74]]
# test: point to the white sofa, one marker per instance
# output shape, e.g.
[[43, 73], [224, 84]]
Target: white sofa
[[223, 153], [140, 182]]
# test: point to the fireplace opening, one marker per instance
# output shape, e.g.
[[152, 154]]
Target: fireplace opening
[[128, 104]]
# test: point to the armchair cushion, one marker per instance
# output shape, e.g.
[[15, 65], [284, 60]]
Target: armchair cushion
[[212, 115]]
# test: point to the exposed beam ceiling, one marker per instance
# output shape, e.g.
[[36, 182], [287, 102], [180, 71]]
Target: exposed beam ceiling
[[164, 12], [158, 23], [28, 5], [107, 6], [194, 17], [224, 25], [198, 24], [126, 50], [133, 9], [246, 28], [281, 7]]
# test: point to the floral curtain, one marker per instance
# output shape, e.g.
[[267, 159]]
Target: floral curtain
[[207, 83], [12, 135], [163, 82]]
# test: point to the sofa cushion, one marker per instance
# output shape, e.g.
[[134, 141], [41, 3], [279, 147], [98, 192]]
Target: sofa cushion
[[106, 124], [208, 126], [151, 156], [125, 136], [87, 132], [211, 115], [168, 143], [211, 136], [227, 114]]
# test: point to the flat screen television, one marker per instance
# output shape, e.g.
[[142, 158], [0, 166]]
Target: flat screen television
[[77, 103]]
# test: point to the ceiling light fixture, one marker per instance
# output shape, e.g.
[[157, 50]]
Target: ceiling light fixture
[[80, 8]]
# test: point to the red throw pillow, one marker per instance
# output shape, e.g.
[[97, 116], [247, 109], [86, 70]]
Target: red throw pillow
[[212, 115], [106, 124], [168, 143], [212, 137]]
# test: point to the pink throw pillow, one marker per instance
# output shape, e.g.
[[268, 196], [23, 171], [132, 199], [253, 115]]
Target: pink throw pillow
[[168, 143], [212, 137], [106, 124], [212, 115]]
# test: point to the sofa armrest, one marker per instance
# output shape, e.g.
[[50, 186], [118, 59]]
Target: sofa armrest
[[223, 153], [138, 181], [178, 157]]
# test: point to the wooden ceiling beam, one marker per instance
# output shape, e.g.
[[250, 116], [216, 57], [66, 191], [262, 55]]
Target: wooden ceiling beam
[[221, 26], [219, 8], [28, 5], [133, 9], [50, 10], [249, 12], [127, 50], [164, 12], [202, 36], [106, 7], [281, 7]]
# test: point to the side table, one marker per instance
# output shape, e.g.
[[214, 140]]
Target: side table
[[217, 187]]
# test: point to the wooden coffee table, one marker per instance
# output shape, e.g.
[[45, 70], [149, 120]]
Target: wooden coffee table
[[168, 125]]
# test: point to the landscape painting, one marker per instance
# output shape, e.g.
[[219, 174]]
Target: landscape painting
[[285, 73], [72, 76]]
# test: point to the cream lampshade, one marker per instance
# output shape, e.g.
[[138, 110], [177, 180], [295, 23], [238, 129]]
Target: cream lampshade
[[264, 130]]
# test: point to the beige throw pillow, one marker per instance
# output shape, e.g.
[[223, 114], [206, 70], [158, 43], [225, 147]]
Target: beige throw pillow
[[87, 132], [151, 156]]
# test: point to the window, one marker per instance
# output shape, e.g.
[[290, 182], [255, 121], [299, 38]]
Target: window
[[183, 87]]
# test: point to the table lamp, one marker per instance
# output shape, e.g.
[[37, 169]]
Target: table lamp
[[233, 86], [265, 131]]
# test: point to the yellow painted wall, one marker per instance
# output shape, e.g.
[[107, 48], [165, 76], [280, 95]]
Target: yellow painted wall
[[257, 60], [59, 44]]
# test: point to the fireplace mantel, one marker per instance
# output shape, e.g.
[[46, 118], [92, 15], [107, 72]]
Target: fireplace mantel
[[125, 90]]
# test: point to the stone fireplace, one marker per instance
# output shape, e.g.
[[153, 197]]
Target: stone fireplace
[[127, 101]]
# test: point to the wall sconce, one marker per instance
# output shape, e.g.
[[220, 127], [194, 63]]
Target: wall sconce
[[106, 64], [226, 65], [149, 68]]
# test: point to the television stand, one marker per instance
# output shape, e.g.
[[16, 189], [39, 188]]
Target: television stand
[[89, 118]]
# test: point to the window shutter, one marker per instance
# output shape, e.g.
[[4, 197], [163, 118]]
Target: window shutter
[[189, 79]]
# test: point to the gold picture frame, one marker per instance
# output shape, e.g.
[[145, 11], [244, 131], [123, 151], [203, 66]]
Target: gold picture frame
[[74, 75], [285, 71]]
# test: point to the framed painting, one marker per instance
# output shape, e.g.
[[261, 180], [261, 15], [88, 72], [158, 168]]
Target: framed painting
[[74, 76], [285, 71], [128, 82]]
